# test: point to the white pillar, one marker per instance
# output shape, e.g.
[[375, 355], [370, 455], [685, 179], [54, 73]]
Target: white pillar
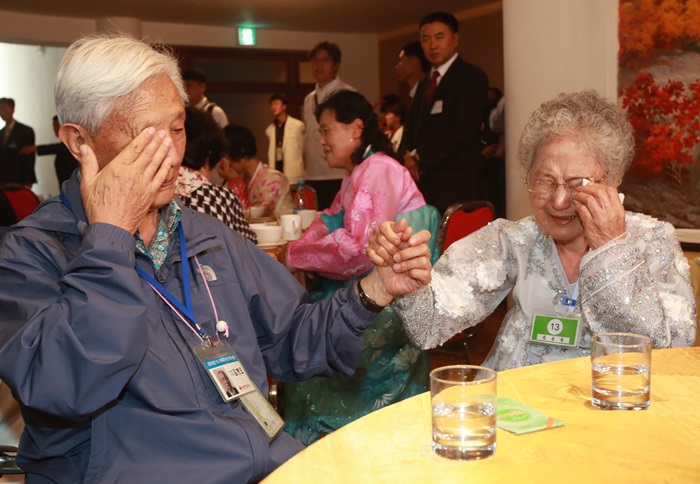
[[552, 46]]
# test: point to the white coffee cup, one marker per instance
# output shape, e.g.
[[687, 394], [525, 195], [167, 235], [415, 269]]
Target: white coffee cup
[[291, 223], [257, 212], [267, 234], [307, 216]]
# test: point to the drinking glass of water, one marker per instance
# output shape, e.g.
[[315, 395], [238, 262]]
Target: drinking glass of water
[[621, 371], [463, 400]]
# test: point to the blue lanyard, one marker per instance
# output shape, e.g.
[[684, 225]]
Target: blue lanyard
[[65, 201], [158, 287], [185, 309]]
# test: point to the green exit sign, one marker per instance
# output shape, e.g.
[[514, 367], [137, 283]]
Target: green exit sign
[[246, 36]]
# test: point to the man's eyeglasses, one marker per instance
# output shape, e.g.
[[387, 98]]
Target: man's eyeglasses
[[547, 186]]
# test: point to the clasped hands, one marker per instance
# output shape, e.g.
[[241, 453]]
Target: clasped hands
[[401, 259]]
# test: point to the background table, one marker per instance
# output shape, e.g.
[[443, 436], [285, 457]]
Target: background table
[[660, 444], [274, 251]]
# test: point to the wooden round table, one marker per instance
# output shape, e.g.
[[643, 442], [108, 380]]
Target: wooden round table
[[660, 444]]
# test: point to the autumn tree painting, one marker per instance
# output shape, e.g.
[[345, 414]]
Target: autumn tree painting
[[649, 27], [659, 86]]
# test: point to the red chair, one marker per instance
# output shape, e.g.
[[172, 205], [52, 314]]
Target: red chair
[[22, 199], [460, 220]]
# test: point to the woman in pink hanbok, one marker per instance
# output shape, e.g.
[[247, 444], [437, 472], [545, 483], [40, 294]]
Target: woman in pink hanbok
[[375, 188]]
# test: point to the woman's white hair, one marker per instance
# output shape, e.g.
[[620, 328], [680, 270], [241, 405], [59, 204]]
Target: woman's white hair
[[99, 73], [598, 125]]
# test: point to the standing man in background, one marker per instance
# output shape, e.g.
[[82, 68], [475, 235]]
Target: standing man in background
[[325, 63], [15, 167], [412, 67], [196, 86], [443, 152], [286, 136], [64, 163]]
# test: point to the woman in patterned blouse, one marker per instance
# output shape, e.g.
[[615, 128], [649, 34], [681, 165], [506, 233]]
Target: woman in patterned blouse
[[205, 145], [251, 179], [581, 265]]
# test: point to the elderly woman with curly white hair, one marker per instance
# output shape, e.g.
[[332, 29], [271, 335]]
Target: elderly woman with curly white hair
[[581, 265]]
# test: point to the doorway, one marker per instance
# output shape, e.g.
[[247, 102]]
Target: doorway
[[242, 80]]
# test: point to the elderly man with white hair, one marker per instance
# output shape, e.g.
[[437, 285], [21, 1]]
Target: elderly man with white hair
[[119, 306]]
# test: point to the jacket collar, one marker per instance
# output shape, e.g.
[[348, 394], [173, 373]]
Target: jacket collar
[[53, 215]]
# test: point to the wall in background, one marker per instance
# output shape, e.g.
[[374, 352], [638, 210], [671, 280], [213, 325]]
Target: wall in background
[[28, 75], [359, 65], [552, 46]]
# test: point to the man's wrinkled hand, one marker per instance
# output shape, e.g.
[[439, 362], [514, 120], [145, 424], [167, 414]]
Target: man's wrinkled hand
[[401, 259], [123, 191]]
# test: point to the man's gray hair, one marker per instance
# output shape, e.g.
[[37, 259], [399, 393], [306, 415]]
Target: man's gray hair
[[598, 125], [100, 73]]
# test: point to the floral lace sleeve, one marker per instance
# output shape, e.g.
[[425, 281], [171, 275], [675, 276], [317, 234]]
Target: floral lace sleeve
[[640, 284], [468, 282]]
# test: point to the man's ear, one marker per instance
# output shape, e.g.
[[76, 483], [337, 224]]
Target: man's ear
[[73, 135]]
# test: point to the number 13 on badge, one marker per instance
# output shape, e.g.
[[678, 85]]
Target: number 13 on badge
[[555, 330]]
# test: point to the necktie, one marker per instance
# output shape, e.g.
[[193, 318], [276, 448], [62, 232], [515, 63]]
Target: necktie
[[6, 136], [432, 87]]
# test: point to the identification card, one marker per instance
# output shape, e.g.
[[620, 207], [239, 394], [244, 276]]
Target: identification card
[[279, 154], [224, 369], [437, 107], [555, 330], [263, 411], [232, 382]]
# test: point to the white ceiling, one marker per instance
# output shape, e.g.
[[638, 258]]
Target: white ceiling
[[339, 16]]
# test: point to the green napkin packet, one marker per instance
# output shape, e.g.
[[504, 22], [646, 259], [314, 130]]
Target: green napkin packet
[[517, 418]]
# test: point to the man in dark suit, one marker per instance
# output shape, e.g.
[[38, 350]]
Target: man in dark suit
[[64, 163], [15, 167], [442, 132]]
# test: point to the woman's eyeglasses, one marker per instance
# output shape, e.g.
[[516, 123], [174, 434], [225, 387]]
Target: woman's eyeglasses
[[547, 186]]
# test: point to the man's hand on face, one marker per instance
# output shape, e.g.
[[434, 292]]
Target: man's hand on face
[[122, 193]]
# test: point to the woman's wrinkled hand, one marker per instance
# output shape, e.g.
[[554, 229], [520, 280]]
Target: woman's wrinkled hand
[[601, 212]]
